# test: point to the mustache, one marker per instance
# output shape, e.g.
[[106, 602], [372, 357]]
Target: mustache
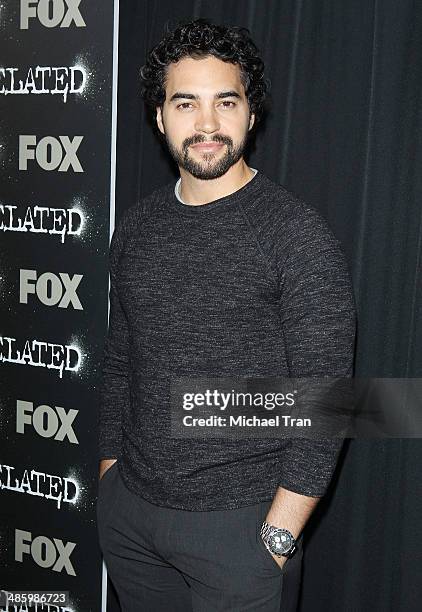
[[220, 138]]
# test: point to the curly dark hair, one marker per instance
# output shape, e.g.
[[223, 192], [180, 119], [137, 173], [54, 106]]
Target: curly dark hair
[[198, 39]]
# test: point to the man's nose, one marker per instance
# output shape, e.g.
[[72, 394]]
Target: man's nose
[[207, 121]]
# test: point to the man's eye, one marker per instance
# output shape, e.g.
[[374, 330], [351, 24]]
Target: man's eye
[[226, 103], [184, 105]]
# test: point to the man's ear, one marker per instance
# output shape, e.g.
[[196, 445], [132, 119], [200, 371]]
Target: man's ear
[[159, 119], [251, 121]]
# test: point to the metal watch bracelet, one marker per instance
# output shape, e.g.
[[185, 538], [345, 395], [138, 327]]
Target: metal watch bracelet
[[267, 530]]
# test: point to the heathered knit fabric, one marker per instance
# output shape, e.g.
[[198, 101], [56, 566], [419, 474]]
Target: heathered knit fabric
[[251, 284]]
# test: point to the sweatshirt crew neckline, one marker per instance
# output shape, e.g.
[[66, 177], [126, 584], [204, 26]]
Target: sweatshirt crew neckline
[[250, 189]]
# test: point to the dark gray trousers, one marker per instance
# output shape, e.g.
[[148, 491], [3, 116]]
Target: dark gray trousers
[[165, 559]]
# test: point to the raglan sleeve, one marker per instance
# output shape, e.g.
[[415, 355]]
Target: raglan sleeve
[[115, 367], [318, 317]]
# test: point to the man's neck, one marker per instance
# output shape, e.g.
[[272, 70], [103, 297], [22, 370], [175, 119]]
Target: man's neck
[[196, 191]]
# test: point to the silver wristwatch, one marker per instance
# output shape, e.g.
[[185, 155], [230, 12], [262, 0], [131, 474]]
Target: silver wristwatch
[[278, 541]]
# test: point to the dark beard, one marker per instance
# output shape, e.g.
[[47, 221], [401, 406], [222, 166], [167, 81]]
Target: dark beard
[[205, 170]]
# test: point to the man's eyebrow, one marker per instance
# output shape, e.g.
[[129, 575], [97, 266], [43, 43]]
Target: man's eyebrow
[[227, 94], [218, 95], [180, 94]]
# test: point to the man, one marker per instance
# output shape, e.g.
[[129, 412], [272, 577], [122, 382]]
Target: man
[[225, 274]]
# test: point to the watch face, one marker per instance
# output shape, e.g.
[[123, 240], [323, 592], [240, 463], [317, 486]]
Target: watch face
[[280, 542]]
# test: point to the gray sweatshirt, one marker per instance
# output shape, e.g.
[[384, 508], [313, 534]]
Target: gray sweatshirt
[[253, 284]]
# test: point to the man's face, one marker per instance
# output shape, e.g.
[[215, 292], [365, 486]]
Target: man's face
[[205, 117]]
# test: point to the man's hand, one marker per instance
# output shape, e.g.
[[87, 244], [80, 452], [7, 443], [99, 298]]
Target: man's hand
[[105, 464], [279, 560], [290, 511]]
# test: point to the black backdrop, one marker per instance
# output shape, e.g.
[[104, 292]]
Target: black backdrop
[[60, 197], [345, 133]]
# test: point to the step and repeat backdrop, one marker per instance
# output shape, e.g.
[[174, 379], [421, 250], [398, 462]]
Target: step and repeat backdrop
[[58, 79]]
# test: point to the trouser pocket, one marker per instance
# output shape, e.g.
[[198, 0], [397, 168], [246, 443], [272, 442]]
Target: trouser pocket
[[261, 512], [108, 494]]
